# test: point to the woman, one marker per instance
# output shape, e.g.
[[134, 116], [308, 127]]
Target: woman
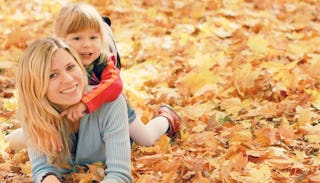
[[50, 79]]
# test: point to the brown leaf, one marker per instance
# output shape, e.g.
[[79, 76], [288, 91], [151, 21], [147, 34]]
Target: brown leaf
[[96, 172]]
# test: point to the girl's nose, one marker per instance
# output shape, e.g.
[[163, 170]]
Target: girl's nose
[[86, 43]]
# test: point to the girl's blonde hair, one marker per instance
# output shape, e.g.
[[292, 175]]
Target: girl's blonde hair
[[77, 17], [40, 118]]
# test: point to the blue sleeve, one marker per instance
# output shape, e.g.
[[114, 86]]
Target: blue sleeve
[[40, 165], [117, 142]]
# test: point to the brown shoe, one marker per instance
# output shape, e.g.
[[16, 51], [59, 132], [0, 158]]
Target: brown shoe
[[173, 118]]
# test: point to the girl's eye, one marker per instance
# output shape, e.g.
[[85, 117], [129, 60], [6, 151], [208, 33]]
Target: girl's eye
[[52, 75], [76, 38], [94, 37], [71, 67]]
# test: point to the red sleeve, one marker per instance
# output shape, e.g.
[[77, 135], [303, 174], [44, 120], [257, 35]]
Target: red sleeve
[[107, 90]]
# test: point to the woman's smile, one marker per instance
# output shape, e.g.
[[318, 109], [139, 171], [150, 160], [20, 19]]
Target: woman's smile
[[69, 90]]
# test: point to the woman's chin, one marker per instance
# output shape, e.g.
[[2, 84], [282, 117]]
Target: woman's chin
[[67, 103]]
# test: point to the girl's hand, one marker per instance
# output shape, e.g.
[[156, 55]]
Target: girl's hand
[[75, 112]]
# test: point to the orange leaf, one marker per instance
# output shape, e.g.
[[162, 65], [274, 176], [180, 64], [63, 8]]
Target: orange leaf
[[238, 161], [265, 137], [286, 134], [148, 179]]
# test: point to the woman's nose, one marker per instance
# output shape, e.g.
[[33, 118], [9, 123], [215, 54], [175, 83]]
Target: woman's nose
[[66, 77]]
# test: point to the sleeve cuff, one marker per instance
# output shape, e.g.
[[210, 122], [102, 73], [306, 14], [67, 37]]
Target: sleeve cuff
[[38, 178]]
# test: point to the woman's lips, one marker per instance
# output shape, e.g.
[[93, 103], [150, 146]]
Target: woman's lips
[[69, 90]]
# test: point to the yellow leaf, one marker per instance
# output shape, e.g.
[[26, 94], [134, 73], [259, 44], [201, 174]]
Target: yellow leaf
[[309, 129], [5, 166], [10, 104], [295, 35], [245, 78], [225, 28], [26, 168], [3, 143], [298, 50], [196, 80], [200, 127], [205, 139], [184, 134], [195, 111], [151, 159], [285, 77], [184, 38], [313, 138], [231, 105], [204, 61], [261, 174], [291, 65], [244, 135], [258, 44], [3, 120], [315, 98], [152, 12], [20, 157], [99, 164], [303, 115], [213, 88], [6, 64], [162, 145]]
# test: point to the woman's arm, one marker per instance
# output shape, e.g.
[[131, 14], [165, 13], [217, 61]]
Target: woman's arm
[[117, 142], [41, 167], [51, 179]]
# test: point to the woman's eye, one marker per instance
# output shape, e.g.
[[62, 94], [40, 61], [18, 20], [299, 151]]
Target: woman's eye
[[70, 67], [52, 75]]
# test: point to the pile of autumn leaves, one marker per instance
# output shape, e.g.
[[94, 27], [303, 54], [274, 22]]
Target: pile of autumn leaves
[[244, 76]]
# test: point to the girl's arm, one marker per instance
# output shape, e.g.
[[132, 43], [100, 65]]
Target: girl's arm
[[107, 90]]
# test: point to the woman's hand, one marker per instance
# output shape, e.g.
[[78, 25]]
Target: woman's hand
[[51, 179], [75, 112]]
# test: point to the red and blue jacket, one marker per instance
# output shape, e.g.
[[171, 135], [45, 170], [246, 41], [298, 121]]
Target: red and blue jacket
[[105, 77]]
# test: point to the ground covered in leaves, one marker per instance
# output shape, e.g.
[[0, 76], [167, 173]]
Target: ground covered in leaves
[[243, 74]]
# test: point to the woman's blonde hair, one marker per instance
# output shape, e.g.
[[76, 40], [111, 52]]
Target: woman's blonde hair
[[40, 118], [77, 17]]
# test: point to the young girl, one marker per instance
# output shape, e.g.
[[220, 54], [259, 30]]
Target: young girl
[[81, 26], [51, 78]]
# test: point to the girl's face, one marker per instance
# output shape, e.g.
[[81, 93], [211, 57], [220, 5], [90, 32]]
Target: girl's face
[[87, 44], [65, 80]]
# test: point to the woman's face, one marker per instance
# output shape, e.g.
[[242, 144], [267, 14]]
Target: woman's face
[[66, 80]]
